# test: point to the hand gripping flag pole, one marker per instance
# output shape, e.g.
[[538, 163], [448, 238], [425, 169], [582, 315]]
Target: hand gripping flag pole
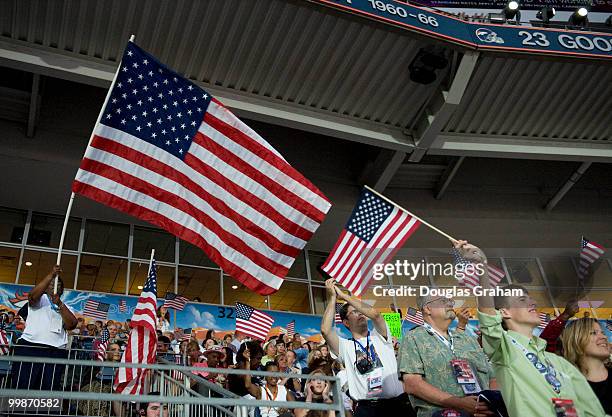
[[69, 209]]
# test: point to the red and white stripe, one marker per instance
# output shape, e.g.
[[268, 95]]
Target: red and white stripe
[[4, 343], [352, 260], [544, 320], [291, 328], [472, 280], [141, 348], [257, 327], [233, 195]]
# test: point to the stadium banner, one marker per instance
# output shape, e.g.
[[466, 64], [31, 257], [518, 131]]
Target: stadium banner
[[201, 317], [479, 36], [597, 6]]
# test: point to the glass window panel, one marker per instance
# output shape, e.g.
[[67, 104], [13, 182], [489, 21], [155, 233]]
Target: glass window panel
[[602, 274], [9, 258], [138, 275], [542, 300], [524, 272], [146, 239], [198, 282], [192, 255], [12, 224], [46, 230], [408, 273], [235, 291], [102, 274], [292, 296], [440, 272], [600, 301], [319, 297], [107, 238], [316, 259], [42, 264], [298, 269]]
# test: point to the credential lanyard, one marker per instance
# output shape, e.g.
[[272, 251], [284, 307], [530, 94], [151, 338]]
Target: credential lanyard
[[365, 349], [547, 371], [449, 344]]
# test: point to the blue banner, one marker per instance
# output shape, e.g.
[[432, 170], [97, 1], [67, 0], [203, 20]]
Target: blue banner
[[479, 35]]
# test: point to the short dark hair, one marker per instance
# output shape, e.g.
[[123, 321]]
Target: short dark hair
[[144, 406], [503, 301], [344, 311], [270, 364], [164, 339]]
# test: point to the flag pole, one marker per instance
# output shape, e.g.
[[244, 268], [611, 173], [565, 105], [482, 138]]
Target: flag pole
[[69, 209], [452, 239]]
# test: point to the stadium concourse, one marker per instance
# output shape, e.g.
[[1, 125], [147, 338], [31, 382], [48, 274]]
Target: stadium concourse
[[311, 131]]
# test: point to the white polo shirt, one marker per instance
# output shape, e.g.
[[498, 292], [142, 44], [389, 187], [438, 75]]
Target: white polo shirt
[[44, 324], [357, 383]]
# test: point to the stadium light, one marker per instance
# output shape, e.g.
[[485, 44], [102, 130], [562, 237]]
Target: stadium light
[[579, 18], [545, 14], [511, 11]]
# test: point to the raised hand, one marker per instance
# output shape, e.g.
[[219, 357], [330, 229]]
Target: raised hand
[[470, 252]]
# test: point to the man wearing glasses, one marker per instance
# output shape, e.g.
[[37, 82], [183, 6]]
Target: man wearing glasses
[[371, 367], [442, 369]]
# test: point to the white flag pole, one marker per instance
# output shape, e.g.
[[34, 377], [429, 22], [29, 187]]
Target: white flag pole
[[69, 209], [452, 239]]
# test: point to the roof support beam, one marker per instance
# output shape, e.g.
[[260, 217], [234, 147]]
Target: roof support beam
[[448, 176], [381, 171], [33, 113], [92, 71], [567, 186], [447, 104]]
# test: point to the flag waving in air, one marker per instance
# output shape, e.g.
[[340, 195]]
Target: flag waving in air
[[142, 342], [414, 316], [253, 322], [169, 153], [589, 253], [372, 235], [175, 301], [471, 278]]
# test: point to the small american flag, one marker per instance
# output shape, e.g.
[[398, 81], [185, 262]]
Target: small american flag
[[337, 318], [142, 343], [102, 345], [414, 316], [96, 309], [167, 152], [472, 279], [186, 334], [122, 306], [4, 342], [373, 233], [253, 322], [291, 328], [609, 325], [589, 253], [544, 319], [175, 301]]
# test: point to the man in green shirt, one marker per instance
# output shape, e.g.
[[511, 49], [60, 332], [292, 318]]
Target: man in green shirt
[[529, 377], [426, 358]]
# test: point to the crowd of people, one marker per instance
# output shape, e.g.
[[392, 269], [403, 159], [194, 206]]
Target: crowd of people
[[433, 371]]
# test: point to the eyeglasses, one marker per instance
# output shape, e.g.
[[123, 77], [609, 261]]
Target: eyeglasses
[[446, 301]]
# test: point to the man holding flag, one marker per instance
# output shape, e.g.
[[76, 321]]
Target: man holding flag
[[369, 356]]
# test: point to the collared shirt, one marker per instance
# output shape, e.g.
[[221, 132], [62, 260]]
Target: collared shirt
[[524, 389], [422, 353]]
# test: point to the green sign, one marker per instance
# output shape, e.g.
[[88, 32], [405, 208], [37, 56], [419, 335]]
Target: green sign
[[394, 320]]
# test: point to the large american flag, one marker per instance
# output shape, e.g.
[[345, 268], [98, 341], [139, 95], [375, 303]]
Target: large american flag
[[472, 279], [167, 152], [414, 316], [142, 343], [102, 345], [175, 301], [253, 322], [96, 309], [291, 328], [544, 320], [373, 233], [589, 253]]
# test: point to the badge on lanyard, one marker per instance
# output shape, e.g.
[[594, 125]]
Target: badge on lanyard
[[465, 376], [55, 320], [375, 379], [564, 407]]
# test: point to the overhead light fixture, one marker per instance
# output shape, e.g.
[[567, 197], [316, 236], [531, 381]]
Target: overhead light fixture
[[511, 12], [266, 301], [28, 263], [234, 287], [545, 14], [579, 18], [424, 65], [139, 287]]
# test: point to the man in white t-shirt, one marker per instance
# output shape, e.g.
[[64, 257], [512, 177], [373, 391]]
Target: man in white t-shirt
[[45, 335], [368, 356]]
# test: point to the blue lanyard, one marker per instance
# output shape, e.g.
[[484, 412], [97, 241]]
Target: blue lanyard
[[450, 345], [547, 371], [366, 349]]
